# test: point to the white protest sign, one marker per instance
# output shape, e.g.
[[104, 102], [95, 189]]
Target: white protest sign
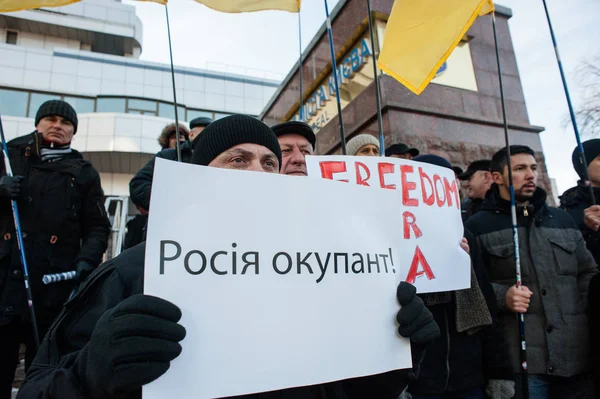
[[432, 229], [282, 281]]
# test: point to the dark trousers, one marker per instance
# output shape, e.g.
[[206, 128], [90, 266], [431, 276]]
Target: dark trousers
[[548, 387], [12, 335]]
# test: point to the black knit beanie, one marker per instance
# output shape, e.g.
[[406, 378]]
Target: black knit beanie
[[591, 149], [230, 131], [57, 108]]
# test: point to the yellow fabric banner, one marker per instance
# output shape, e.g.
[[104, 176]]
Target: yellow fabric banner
[[252, 5], [421, 34], [19, 5]]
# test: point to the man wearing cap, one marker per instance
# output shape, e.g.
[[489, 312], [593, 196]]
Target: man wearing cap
[[578, 203], [140, 186], [478, 180], [297, 140], [64, 225], [401, 150], [112, 339]]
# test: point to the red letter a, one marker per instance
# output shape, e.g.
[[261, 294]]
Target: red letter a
[[414, 271]]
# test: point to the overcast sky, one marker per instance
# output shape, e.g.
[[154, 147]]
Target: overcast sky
[[266, 44]]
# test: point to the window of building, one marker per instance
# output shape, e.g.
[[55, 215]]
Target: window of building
[[37, 99], [11, 37], [144, 107], [166, 110], [110, 104], [219, 115], [81, 105], [13, 102], [195, 113]]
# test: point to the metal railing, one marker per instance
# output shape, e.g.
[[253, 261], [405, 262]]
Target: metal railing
[[118, 215]]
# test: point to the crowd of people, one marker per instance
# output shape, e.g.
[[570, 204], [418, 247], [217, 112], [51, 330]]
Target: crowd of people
[[109, 339]]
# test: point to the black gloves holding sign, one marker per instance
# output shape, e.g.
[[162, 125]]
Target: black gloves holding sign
[[134, 342], [10, 186], [414, 319], [132, 345]]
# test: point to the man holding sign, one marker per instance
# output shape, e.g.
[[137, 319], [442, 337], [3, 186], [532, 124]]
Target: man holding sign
[[111, 339]]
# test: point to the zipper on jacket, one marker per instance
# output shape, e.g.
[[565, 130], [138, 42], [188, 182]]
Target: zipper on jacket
[[448, 350], [525, 213]]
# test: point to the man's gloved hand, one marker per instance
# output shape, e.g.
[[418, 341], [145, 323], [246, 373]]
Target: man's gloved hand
[[131, 345], [10, 186], [414, 319], [500, 389], [84, 269]]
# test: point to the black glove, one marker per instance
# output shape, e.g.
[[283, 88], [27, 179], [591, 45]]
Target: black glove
[[84, 269], [131, 345], [10, 186], [414, 319]]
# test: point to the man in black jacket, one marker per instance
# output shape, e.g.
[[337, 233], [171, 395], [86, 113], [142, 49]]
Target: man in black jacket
[[478, 180], [141, 184], [556, 270], [471, 356], [111, 339], [64, 226], [578, 203]]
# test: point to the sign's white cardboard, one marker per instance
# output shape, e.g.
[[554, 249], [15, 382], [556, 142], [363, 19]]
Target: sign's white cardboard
[[429, 206], [296, 319]]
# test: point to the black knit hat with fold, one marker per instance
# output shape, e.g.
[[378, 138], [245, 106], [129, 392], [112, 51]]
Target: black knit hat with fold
[[230, 131], [57, 108]]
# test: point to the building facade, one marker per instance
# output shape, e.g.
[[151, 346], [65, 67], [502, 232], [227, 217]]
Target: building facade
[[458, 116], [88, 54]]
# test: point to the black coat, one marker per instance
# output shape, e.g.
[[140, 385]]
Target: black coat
[[63, 221], [53, 373], [575, 200], [458, 361], [140, 186]]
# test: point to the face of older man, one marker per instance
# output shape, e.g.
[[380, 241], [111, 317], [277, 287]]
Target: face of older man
[[294, 149], [247, 156], [56, 129]]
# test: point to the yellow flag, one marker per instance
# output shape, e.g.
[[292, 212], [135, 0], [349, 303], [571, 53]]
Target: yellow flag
[[19, 5], [252, 5], [421, 34]]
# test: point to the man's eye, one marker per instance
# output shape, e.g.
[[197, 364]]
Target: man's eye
[[270, 163], [238, 160], [286, 151]]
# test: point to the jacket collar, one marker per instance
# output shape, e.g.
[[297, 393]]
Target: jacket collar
[[493, 201]]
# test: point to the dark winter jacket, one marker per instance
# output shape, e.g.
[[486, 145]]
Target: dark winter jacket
[[53, 372], [574, 201], [136, 231], [469, 207], [555, 266], [141, 184], [458, 361], [63, 221]]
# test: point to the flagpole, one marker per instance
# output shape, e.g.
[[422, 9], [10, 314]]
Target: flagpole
[[335, 78], [582, 159], [19, 240], [301, 114], [377, 87], [513, 212], [177, 135]]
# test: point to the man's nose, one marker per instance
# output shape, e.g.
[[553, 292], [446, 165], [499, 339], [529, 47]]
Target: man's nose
[[297, 157]]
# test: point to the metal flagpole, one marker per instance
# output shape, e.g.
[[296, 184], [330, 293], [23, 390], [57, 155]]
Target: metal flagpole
[[17, 220], [377, 87], [513, 212], [582, 159], [335, 78], [301, 114], [177, 136]]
